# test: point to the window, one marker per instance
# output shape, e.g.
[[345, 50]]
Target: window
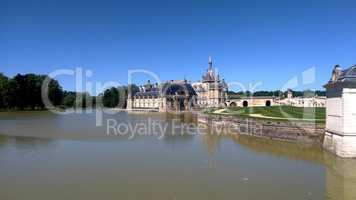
[[268, 103], [244, 103]]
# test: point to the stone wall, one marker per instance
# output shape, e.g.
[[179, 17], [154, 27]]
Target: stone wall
[[252, 101], [279, 130]]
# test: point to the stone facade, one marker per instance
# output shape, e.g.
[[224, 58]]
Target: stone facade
[[315, 101], [252, 101], [307, 101], [169, 96], [340, 131], [211, 91]]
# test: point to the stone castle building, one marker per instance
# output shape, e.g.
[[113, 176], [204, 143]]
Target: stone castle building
[[314, 101], [175, 95], [180, 95], [211, 91]]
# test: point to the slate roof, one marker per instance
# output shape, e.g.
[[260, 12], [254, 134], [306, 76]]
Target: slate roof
[[150, 93], [209, 77], [169, 88], [341, 79], [174, 88], [348, 74]]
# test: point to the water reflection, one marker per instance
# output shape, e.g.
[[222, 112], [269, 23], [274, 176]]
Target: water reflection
[[340, 178], [230, 166], [295, 151], [3, 140], [340, 174], [211, 141], [26, 145], [290, 150]]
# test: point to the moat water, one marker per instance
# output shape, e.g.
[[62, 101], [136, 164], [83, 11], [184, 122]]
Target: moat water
[[49, 156]]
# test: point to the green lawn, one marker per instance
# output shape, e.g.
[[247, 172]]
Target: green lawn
[[277, 112]]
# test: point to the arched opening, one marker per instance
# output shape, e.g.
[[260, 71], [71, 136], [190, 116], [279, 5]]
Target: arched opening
[[268, 103], [179, 96], [244, 103], [233, 104], [181, 104]]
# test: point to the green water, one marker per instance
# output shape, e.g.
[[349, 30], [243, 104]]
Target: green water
[[48, 156]]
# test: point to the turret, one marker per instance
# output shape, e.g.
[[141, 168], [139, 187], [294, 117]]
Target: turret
[[289, 94]]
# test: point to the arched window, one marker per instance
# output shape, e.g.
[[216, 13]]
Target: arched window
[[244, 103], [233, 104], [268, 103]]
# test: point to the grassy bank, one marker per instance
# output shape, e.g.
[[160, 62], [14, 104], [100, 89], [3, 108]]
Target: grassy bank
[[274, 112]]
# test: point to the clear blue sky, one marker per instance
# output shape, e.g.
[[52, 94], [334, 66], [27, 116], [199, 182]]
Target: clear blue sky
[[269, 41]]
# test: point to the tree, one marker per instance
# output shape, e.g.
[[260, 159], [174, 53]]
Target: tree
[[31, 87], [24, 92], [123, 95], [55, 92], [117, 97], [133, 89], [3, 90], [10, 94], [18, 91], [69, 99], [83, 100], [111, 97]]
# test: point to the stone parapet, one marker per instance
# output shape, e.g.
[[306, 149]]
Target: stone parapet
[[300, 131]]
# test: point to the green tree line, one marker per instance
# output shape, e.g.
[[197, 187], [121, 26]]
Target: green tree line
[[117, 96], [23, 92]]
